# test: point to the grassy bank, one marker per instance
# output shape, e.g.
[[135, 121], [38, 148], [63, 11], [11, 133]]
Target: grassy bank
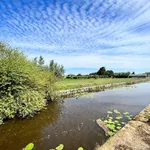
[[78, 83]]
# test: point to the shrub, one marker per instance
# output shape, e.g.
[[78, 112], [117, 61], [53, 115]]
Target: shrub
[[103, 76], [24, 87], [122, 75]]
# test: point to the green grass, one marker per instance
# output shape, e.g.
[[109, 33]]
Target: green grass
[[78, 83]]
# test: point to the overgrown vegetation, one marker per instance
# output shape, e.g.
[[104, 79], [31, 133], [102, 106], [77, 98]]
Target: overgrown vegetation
[[24, 86]]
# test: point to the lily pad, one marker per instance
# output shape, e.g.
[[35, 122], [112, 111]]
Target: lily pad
[[110, 118], [30, 146], [123, 123], [119, 117], [110, 133], [60, 147], [118, 127], [116, 111], [126, 113], [109, 112], [80, 148], [116, 121]]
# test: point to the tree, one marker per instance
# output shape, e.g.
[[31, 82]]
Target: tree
[[101, 71], [41, 61], [56, 69], [35, 60], [110, 73], [93, 73], [133, 72], [52, 66], [62, 70]]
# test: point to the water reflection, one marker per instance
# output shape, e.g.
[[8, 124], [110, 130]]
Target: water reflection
[[15, 134]]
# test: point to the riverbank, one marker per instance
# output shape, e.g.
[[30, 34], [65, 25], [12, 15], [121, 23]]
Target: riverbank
[[72, 122], [109, 83], [133, 136], [67, 84]]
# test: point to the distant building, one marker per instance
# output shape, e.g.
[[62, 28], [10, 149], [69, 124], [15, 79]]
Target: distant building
[[148, 74], [144, 75]]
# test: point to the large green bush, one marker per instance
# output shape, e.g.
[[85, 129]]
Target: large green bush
[[24, 87]]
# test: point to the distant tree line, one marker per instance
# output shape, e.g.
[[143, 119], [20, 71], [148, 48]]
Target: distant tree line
[[101, 73]]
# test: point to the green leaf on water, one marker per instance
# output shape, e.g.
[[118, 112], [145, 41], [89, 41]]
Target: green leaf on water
[[116, 111], [80, 148], [110, 133], [110, 126], [119, 117], [110, 118], [118, 127], [105, 121], [114, 130], [60, 147], [122, 122], [30, 146], [109, 112], [116, 121], [126, 113], [128, 117], [118, 124], [110, 121]]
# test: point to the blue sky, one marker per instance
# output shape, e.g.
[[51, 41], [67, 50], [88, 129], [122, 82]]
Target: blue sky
[[83, 35]]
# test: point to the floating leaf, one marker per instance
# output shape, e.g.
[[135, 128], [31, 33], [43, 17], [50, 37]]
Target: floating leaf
[[80, 148], [122, 122], [118, 127], [119, 117], [114, 130], [116, 121], [110, 121], [118, 124], [110, 133], [110, 118], [30, 146], [109, 112], [105, 121], [112, 127], [116, 111], [60, 147], [126, 113]]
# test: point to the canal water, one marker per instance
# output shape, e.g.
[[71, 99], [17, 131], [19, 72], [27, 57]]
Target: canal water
[[72, 122]]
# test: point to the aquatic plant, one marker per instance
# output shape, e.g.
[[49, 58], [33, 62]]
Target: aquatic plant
[[60, 147], [115, 121], [80, 148], [30, 146]]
